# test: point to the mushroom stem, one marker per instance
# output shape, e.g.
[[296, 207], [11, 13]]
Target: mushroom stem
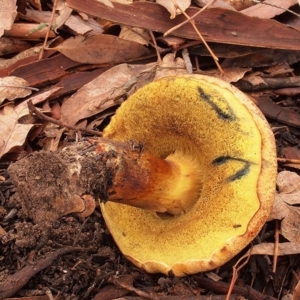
[[170, 185]]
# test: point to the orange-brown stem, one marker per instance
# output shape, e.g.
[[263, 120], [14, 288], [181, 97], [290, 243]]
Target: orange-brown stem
[[145, 181]]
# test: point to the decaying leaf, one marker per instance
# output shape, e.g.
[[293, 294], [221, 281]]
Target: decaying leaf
[[137, 35], [296, 293], [8, 13], [239, 5], [10, 45], [269, 8], [285, 208], [171, 66], [64, 14], [13, 87], [101, 93], [99, 49], [283, 249], [13, 133], [173, 8]]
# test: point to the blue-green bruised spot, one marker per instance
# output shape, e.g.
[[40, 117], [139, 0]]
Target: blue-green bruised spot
[[227, 115], [240, 173]]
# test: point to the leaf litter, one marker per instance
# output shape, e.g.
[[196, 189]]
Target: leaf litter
[[84, 76]]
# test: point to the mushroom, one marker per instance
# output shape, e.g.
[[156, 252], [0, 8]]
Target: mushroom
[[204, 178]]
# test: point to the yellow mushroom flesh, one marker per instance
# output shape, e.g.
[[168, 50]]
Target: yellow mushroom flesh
[[214, 134]]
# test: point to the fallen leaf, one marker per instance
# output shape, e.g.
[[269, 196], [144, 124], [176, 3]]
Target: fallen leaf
[[296, 293], [13, 133], [216, 3], [286, 204], [269, 8], [64, 14], [263, 33], [134, 34], [10, 45], [100, 49], [8, 13], [171, 66], [101, 93], [12, 87], [283, 249], [239, 5], [172, 9]]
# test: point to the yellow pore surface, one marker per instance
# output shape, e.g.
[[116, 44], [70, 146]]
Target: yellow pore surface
[[209, 124]]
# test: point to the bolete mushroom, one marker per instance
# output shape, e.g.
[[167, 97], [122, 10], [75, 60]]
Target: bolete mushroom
[[207, 176]]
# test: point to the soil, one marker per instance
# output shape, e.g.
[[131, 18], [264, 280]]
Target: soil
[[49, 253]]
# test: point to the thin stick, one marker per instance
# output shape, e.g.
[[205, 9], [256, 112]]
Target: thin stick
[[276, 245], [288, 160], [156, 47], [40, 115], [215, 58], [48, 29], [236, 269], [189, 18]]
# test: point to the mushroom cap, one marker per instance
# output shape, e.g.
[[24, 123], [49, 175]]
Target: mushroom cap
[[217, 125]]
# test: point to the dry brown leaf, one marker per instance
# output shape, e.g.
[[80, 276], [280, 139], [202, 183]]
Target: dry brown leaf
[[100, 49], [269, 8], [171, 66], [36, 4], [255, 79], [216, 3], [10, 45], [283, 249], [74, 22], [296, 293], [13, 133], [289, 194], [4, 63], [64, 14], [172, 9], [239, 5], [12, 87], [8, 13], [288, 182], [135, 34], [101, 93], [231, 74]]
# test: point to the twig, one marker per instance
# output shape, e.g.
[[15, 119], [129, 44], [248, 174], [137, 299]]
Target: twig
[[40, 115], [156, 47], [276, 244], [284, 9], [192, 22], [222, 287], [48, 29], [288, 160], [20, 87], [189, 19], [235, 272], [16, 281]]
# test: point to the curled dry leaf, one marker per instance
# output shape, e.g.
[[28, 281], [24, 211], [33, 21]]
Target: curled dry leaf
[[100, 49], [12, 87], [283, 249], [64, 14], [13, 133], [171, 66], [135, 34], [8, 13], [269, 8], [285, 208], [101, 93], [172, 9], [10, 45]]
